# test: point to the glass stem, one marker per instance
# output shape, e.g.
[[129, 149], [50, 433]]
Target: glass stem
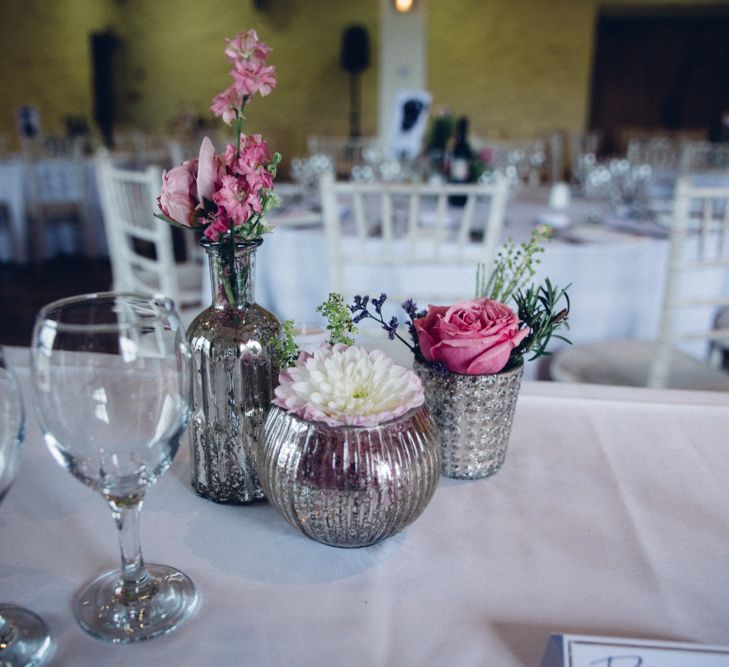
[[7, 634], [136, 582]]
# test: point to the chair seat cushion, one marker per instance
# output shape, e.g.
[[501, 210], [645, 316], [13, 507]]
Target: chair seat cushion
[[628, 363]]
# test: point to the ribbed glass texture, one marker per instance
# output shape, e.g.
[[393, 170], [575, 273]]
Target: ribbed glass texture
[[233, 380], [474, 414], [350, 486]]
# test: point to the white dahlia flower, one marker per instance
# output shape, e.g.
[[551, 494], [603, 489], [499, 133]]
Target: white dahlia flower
[[348, 386]]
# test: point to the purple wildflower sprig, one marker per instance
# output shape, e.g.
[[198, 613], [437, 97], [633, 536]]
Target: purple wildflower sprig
[[360, 310]]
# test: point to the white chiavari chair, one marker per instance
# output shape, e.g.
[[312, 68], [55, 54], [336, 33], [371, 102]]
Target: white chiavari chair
[[58, 193], [375, 227], [696, 285], [140, 245]]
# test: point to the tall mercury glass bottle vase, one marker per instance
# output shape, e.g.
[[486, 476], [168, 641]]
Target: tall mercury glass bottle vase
[[234, 377]]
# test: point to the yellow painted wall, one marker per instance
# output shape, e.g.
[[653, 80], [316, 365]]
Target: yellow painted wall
[[516, 67], [175, 56], [45, 58]]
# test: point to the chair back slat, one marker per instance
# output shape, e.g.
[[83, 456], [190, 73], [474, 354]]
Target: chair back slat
[[698, 254], [140, 245], [386, 220], [403, 226], [466, 223]]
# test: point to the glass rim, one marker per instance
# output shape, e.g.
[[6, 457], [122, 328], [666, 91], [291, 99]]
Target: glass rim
[[165, 303], [406, 416], [513, 370], [238, 244]]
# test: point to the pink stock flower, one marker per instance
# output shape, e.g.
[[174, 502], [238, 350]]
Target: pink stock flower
[[254, 156], [217, 228], [177, 199], [470, 337], [226, 104], [246, 46], [237, 183], [250, 73], [236, 199], [255, 149], [346, 385], [252, 78]]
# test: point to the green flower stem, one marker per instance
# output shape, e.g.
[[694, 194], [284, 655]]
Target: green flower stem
[[225, 280], [239, 125]]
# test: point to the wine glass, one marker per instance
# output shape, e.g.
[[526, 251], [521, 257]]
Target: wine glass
[[24, 637], [112, 383]]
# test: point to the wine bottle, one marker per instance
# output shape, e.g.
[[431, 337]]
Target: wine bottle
[[460, 162]]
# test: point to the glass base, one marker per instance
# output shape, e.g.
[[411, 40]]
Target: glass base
[[104, 611], [29, 643]]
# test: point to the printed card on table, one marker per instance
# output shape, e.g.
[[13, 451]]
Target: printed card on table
[[586, 651]]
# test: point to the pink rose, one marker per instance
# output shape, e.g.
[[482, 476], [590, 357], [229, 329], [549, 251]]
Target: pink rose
[[178, 197], [470, 337]]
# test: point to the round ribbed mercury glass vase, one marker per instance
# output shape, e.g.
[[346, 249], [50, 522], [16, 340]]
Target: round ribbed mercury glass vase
[[474, 414], [233, 380], [349, 486]]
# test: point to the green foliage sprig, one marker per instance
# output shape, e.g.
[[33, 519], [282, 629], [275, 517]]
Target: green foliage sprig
[[538, 307], [285, 350], [514, 266], [339, 320]]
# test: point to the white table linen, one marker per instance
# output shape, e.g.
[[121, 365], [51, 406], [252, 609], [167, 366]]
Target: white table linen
[[616, 277], [16, 189], [610, 517], [13, 245]]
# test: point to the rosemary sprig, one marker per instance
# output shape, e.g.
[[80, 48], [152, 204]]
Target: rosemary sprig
[[538, 309]]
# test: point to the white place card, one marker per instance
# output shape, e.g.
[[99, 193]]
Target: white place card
[[586, 651]]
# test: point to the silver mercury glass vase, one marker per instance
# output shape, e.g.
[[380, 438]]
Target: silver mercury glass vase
[[474, 414], [350, 486], [233, 380]]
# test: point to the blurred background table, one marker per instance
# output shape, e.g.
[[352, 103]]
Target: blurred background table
[[610, 517], [614, 267]]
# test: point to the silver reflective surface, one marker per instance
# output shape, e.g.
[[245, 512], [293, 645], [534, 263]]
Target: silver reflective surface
[[474, 414], [350, 486], [232, 384]]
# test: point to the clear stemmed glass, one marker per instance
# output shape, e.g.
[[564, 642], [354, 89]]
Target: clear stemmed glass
[[112, 384], [24, 637]]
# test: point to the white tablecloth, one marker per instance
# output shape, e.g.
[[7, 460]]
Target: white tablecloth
[[610, 516], [616, 278], [16, 193], [13, 241]]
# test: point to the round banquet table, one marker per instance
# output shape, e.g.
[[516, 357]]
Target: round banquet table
[[615, 271], [610, 517]]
